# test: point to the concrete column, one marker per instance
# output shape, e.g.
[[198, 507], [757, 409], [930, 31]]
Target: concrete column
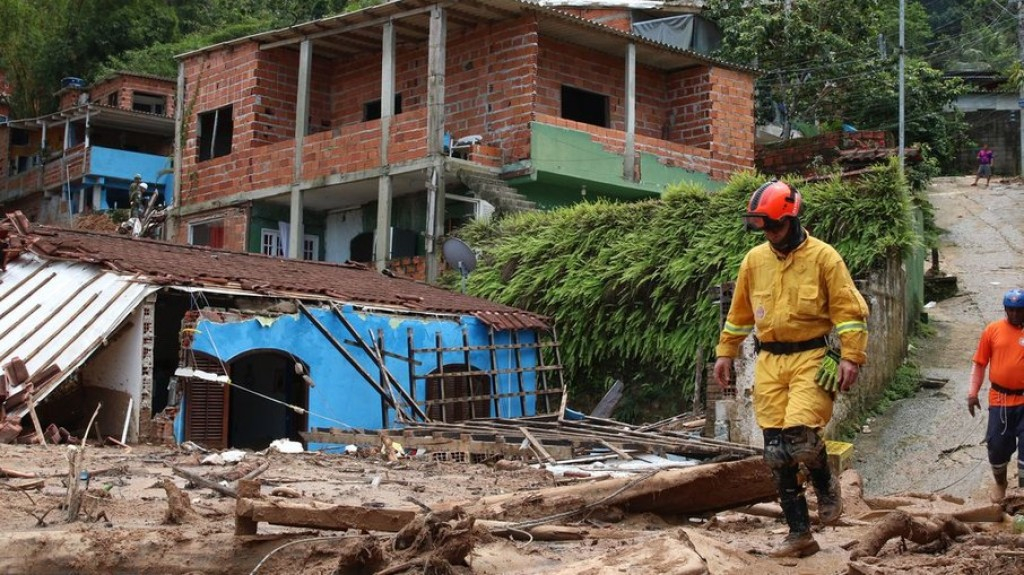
[[382, 237], [295, 230], [629, 153], [435, 137], [171, 226]]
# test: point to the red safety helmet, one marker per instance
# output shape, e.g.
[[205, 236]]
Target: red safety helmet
[[771, 203]]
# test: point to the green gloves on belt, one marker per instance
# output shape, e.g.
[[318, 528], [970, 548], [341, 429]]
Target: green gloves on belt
[[828, 373]]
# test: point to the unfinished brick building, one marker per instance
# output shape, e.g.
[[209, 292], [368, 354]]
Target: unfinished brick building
[[83, 157], [487, 104]]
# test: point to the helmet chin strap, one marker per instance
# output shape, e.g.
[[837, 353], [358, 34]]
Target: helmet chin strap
[[793, 239]]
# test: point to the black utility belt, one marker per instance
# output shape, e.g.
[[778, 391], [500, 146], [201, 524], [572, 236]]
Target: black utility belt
[[1006, 390], [789, 347]]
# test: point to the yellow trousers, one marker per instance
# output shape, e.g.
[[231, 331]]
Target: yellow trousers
[[785, 393]]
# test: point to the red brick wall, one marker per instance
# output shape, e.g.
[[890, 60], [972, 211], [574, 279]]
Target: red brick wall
[[498, 79], [235, 226], [125, 87], [802, 155], [732, 128], [414, 267], [689, 104], [275, 89]]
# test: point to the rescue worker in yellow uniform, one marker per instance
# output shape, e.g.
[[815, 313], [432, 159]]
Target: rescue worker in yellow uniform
[[791, 292]]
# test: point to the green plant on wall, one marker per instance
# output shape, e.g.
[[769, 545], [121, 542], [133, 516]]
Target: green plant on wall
[[630, 285]]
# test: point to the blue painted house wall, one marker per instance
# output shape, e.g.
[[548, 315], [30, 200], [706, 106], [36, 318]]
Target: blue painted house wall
[[113, 170], [341, 397]]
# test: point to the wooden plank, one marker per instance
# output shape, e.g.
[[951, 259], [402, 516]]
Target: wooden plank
[[537, 445], [606, 406], [324, 516], [440, 444], [616, 450]]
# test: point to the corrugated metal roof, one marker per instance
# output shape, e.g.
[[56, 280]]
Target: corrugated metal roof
[[58, 313], [357, 32]]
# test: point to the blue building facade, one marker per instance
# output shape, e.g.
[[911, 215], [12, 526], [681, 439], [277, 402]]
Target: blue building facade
[[452, 367]]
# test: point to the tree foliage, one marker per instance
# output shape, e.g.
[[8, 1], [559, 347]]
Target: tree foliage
[[831, 62], [46, 40], [630, 285]]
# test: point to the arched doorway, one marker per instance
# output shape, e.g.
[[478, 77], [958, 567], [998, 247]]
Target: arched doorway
[[450, 388], [266, 386]]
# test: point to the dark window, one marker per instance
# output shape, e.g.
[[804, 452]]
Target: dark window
[[371, 110], [583, 106], [151, 103], [215, 128], [460, 397], [112, 99], [19, 137], [208, 234]]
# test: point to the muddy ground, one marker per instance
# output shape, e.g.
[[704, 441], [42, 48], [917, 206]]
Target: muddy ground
[[930, 442], [927, 444]]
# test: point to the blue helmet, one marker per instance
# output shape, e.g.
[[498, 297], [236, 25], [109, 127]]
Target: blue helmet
[[1014, 299]]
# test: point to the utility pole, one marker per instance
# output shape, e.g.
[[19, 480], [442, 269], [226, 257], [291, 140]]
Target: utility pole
[[1020, 93], [903, 84]]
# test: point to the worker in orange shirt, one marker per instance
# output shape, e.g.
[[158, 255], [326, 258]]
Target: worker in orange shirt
[[792, 291], [1001, 350]]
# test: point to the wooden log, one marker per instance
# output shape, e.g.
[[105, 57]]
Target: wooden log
[[687, 491], [324, 516], [35, 419], [8, 472], [179, 508], [900, 524], [203, 482], [248, 490], [535, 533]]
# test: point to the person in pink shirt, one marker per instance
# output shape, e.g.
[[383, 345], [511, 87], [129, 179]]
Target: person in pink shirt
[[984, 165]]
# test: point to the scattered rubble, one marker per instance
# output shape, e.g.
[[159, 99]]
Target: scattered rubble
[[159, 509]]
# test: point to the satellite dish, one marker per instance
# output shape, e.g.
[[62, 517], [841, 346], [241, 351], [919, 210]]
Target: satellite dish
[[461, 256]]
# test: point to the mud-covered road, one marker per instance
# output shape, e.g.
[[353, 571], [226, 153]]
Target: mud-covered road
[[929, 442]]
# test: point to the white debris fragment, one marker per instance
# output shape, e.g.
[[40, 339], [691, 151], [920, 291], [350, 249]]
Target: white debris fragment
[[288, 446]]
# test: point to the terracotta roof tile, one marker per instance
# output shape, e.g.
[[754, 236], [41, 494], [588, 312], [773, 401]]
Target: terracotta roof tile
[[163, 263]]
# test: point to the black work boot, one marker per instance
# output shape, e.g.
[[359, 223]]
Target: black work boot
[[998, 491], [830, 501], [799, 542], [826, 487]]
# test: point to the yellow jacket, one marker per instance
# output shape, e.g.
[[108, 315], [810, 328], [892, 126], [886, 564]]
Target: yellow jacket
[[795, 298]]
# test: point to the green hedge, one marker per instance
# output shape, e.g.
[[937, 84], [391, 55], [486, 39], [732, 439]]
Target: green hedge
[[629, 285]]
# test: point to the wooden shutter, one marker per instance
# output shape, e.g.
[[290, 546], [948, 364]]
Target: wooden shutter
[[206, 406]]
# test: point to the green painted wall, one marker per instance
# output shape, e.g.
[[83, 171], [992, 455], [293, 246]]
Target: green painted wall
[[563, 161], [268, 215]]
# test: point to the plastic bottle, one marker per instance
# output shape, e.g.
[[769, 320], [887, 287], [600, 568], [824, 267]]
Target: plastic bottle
[[1018, 523]]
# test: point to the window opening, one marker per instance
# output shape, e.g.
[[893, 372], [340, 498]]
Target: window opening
[[583, 106], [271, 245], [215, 129], [371, 110], [151, 103], [210, 233]]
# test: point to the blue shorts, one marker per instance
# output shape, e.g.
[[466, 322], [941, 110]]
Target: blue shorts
[[1005, 434]]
